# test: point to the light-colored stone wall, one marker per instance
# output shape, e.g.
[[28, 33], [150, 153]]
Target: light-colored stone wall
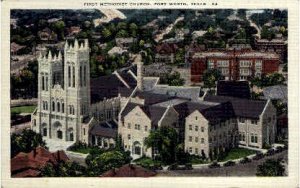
[[202, 137], [128, 127], [269, 122], [263, 128], [194, 122]]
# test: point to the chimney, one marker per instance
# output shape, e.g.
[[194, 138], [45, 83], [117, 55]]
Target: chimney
[[139, 63]]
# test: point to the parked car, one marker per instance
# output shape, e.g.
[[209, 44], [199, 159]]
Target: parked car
[[279, 149], [229, 163], [270, 152], [245, 160], [214, 165]]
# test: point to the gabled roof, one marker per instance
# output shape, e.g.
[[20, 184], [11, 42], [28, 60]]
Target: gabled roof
[[129, 170], [30, 164], [166, 48], [211, 111], [105, 87], [152, 98], [154, 113], [106, 129], [242, 107]]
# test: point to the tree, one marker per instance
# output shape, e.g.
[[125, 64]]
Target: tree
[[173, 79], [106, 33], [165, 141], [270, 167], [59, 27], [25, 142], [210, 77]]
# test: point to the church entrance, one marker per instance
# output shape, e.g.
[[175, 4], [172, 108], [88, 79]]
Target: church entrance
[[71, 137], [44, 131]]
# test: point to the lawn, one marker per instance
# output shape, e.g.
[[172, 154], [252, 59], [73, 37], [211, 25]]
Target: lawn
[[147, 162], [82, 150], [237, 153], [22, 109]]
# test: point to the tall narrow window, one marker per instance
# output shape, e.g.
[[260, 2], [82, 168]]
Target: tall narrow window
[[43, 83], [46, 83], [84, 76], [80, 72], [73, 76], [69, 76], [53, 106], [58, 107], [63, 107]]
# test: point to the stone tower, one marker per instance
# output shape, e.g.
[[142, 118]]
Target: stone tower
[[140, 67], [63, 92]]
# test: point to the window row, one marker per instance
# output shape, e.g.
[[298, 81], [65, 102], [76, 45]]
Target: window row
[[243, 120], [196, 150], [82, 76], [196, 128], [137, 127], [253, 137], [44, 83], [58, 107], [196, 139]]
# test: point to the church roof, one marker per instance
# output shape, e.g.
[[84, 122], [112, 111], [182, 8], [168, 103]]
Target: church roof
[[106, 129], [154, 113], [242, 107]]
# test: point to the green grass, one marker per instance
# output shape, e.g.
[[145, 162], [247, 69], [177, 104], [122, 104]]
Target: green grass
[[82, 150], [146, 162], [22, 109], [237, 153]]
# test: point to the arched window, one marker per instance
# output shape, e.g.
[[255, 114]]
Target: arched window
[[80, 72], [43, 105], [70, 109], [46, 83], [84, 76], [58, 106], [73, 76], [73, 110], [69, 76], [63, 107], [43, 83], [53, 106]]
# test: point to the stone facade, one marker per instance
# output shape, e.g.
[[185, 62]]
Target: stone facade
[[205, 138], [63, 93]]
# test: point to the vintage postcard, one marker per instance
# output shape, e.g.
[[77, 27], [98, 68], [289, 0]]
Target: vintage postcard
[[150, 94]]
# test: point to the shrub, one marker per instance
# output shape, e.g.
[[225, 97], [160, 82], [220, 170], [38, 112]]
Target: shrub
[[188, 166], [214, 165], [259, 155], [229, 163], [279, 149], [245, 160], [173, 167]]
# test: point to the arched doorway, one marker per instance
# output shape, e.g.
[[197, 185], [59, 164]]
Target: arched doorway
[[44, 129], [59, 134], [71, 136], [57, 128], [137, 150]]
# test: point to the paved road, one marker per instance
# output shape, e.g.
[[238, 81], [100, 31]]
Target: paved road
[[237, 170]]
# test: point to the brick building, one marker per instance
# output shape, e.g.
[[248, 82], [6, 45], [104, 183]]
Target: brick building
[[278, 46], [234, 64]]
